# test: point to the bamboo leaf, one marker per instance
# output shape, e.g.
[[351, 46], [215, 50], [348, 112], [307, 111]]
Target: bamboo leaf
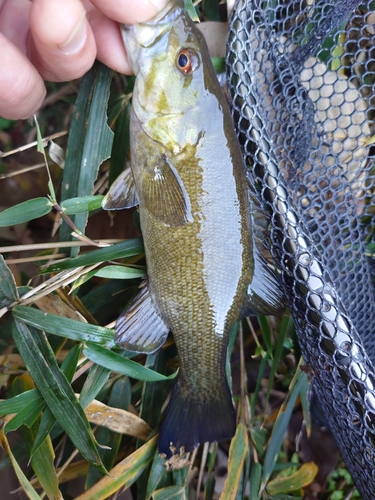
[[82, 204], [90, 141], [115, 362], [170, 493], [64, 327], [121, 143], [27, 415], [120, 397], [124, 474], [117, 420], [42, 460], [8, 287], [28, 489], [25, 211], [303, 477], [280, 427], [94, 383], [17, 403], [120, 272], [56, 391], [238, 450], [158, 477], [113, 252], [255, 477], [48, 420]]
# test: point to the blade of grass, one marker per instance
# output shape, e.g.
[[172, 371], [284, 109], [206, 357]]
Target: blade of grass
[[115, 362], [48, 420], [56, 391], [27, 488], [280, 427], [89, 144], [25, 211], [42, 460], [303, 477], [120, 397], [124, 474], [238, 450], [8, 287], [118, 251], [64, 327]]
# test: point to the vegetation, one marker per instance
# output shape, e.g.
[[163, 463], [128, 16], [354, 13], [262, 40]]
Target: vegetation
[[86, 408]]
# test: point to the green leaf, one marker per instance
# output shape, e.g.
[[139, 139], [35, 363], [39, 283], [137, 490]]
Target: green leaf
[[115, 362], [209, 487], [124, 474], [42, 462], [56, 390], [238, 450], [277, 353], [218, 64], [170, 493], [24, 482], [120, 272], [158, 477], [264, 324], [118, 251], [121, 141], [94, 383], [8, 287], [89, 144], [190, 9], [25, 211], [280, 427], [27, 415], [82, 204], [303, 477], [120, 397], [48, 420], [17, 403], [255, 477], [64, 327]]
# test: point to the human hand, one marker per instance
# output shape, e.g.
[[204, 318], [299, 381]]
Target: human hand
[[58, 41]]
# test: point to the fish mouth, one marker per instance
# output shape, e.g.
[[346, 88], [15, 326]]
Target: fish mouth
[[149, 32], [165, 16]]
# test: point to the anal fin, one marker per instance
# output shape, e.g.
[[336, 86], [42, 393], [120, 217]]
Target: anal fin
[[140, 327]]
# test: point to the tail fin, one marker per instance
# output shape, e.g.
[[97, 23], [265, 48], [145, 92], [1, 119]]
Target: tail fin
[[188, 423]]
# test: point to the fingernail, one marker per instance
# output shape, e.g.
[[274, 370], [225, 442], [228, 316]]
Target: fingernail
[[77, 39], [159, 4]]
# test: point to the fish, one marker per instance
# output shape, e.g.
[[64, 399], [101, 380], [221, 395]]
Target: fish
[[197, 219]]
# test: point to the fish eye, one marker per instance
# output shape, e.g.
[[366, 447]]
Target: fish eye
[[187, 61]]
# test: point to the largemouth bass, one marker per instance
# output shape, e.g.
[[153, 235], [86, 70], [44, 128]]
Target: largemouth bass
[[188, 177]]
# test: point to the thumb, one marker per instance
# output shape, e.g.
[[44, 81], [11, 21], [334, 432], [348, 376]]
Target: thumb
[[63, 46]]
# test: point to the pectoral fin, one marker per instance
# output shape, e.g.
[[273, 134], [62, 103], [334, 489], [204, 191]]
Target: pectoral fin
[[122, 193], [164, 195], [140, 327], [264, 295]]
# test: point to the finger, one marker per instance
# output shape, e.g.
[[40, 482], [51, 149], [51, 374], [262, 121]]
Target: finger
[[130, 11], [22, 88], [110, 47], [63, 44]]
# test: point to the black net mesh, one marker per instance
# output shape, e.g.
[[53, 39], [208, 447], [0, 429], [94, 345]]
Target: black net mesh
[[301, 79]]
